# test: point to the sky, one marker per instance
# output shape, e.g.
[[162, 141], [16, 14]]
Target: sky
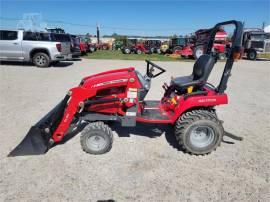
[[146, 18]]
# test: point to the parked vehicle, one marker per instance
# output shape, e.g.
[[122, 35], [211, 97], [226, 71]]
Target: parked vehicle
[[102, 46], [196, 46], [133, 46], [61, 36], [41, 48], [255, 41], [154, 45], [83, 47], [177, 43], [117, 44], [75, 46]]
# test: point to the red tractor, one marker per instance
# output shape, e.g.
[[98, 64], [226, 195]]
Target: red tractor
[[83, 47], [133, 46], [197, 46], [118, 95], [103, 46]]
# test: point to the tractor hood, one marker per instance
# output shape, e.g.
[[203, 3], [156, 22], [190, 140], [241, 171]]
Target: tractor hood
[[108, 78]]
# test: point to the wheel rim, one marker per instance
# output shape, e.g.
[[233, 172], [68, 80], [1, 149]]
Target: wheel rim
[[96, 142], [251, 55], [127, 51], [40, 60], [199, 52], [202, 136]]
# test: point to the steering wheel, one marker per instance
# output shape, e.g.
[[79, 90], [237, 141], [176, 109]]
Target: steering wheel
[[150, 70]]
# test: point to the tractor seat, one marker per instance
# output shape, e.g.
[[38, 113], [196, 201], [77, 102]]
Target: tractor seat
[[201, 71]]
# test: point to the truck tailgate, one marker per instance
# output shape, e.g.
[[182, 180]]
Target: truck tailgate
[[65, 46]]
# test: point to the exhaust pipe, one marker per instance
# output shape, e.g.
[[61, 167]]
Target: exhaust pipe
[[38, 139]]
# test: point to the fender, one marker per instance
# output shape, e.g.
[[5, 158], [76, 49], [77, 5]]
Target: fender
[[198, 101]]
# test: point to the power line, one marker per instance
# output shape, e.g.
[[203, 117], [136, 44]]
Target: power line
[[107, 27]]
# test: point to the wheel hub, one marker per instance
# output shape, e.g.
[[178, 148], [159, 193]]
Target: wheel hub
[[201, 136], [96, 142], [40, 60]]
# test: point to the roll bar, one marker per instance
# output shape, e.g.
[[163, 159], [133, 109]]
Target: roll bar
[[236, 47]]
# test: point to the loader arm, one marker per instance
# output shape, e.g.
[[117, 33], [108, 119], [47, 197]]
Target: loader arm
[[53, 126], [77, 95]]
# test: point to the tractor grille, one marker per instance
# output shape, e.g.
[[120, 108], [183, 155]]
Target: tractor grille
[[267, 46]]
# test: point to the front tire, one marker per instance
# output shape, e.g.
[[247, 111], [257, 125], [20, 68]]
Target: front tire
[[252, 55], [139, 52], [96, 138], [41, 60], [127, 51], [199, 132]]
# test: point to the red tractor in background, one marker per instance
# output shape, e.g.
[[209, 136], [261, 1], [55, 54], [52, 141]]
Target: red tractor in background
[[133, 46], [102, 46], [196, 47], [154, 45], [83, 47]]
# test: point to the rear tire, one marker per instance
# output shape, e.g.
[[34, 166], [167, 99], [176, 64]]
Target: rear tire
[[96, 138], [41, 60], [252, 55], [199, 132]]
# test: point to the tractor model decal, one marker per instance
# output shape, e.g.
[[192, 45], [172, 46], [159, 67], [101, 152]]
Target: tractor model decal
[[110, 82]]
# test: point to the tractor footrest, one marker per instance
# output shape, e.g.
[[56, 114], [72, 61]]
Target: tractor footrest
[[154, 114]]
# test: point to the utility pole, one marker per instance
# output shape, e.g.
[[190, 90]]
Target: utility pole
[[263, 25], [97, 33]]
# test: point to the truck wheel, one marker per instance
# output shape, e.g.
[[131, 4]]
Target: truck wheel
[[41, 60], [198, 132], [96, 138], [252, 55], [221, 56], [139, 52], [198, 51]]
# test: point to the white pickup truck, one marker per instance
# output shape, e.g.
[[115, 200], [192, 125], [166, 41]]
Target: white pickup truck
[[41, 48]]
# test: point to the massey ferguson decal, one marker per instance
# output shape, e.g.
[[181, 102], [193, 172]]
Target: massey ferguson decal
[[110, 82], [207, 100]]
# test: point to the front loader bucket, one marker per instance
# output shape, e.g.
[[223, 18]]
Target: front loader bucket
[[32, 144], [37, 140]]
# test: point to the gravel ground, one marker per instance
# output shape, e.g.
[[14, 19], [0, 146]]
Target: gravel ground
[[144, 163]]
